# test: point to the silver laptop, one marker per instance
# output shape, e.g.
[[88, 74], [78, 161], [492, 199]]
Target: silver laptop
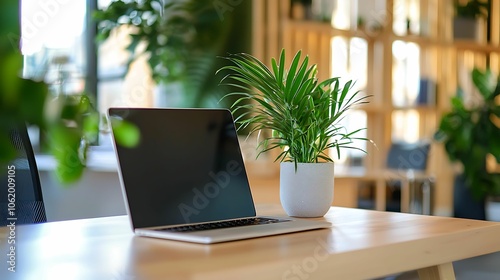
[[186, 179]]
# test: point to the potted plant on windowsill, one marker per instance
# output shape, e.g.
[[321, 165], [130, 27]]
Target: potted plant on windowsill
[[470, 136], [293, 112], [466, 24]]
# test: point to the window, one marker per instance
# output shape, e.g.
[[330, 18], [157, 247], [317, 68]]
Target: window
[[53, 43], [349, 61], [58, 47]]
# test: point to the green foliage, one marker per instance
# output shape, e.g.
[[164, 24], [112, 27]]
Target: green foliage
[[181, 38], [70, 122], [72, 125], [301, 113], [125, 133], [472, 9], [469, 134], [20, 99]]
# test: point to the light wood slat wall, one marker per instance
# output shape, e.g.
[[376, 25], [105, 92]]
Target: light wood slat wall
[[267, 34], [384, 140], [495, 22], [258, 28], [444, 60], [495, 35]]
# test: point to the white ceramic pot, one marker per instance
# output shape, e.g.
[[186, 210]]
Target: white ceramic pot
[[493, 209], [308, 191]]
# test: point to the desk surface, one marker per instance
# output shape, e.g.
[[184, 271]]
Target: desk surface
[[360, 244]]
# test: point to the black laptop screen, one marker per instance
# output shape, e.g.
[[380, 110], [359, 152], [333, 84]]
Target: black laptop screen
[[187, 167]]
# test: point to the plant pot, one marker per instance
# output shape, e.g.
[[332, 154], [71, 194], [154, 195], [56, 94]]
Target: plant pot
[[465, 205], [466, 29], [308, 191], [493, 209]]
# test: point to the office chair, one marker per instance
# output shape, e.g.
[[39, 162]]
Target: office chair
[[24, 184], [406, 159]]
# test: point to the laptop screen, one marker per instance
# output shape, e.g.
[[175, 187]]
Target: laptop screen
[[187, 168]]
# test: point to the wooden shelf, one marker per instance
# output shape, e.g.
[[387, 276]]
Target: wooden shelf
[[441, 59], [419, 108], [324, 28]]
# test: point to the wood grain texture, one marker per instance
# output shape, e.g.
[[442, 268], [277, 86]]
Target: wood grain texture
[[443, 271], [360, 244]]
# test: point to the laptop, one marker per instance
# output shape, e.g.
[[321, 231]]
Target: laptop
[[186, 180]]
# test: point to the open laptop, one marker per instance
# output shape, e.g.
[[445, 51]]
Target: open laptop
[[186, 179]]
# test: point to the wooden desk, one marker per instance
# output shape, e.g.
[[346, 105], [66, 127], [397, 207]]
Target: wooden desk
[[361, 244], [347, 179]]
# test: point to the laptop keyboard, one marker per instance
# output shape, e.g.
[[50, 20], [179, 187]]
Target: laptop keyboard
[[224, 224]]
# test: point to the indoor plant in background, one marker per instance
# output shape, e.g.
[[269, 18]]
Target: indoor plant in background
[[181, 40], [466, 23], [470, 136], [294, 112]]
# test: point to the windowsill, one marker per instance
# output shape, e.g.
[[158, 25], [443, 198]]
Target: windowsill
[[100, 160]]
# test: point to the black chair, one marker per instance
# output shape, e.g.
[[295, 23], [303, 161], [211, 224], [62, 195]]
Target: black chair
[[406, 159], [21, 198]]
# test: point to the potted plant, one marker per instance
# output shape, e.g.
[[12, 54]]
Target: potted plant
[[465, 22], [300, 116], [470, 135]]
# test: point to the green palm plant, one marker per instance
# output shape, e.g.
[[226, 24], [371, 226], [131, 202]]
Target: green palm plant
[[300, 114]]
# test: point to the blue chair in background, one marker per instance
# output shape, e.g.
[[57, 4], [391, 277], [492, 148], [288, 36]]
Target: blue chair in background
[[409, 159]]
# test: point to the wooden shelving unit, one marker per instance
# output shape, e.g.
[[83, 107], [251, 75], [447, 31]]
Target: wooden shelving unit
[[441, 58]]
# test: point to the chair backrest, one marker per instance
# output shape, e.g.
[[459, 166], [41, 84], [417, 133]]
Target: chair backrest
[[406, 156], [21, 199]]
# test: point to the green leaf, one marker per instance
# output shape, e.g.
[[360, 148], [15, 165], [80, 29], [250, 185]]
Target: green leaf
[[65, 145], [91, 127], [32, 101], [484, 82], [7, 152], [125, 133]]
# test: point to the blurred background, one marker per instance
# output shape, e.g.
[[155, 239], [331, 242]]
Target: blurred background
[[407, 54]]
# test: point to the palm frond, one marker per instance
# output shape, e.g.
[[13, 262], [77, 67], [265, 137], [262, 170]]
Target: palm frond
[[302, 113]]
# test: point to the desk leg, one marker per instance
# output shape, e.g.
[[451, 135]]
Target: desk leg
[[426, 198], [405, 195], [438, 272], [380, 193]]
